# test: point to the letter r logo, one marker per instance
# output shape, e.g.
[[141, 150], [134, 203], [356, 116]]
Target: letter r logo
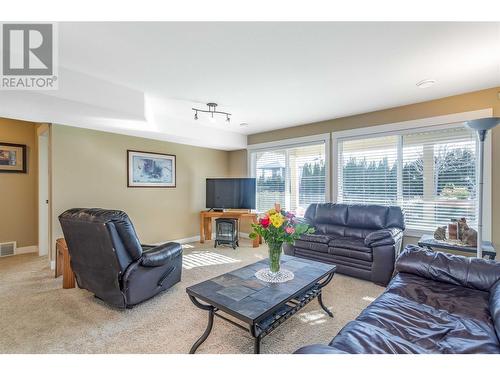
[[27, 49]]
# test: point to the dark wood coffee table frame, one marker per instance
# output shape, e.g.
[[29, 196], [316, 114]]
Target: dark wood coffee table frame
[[268, 322]]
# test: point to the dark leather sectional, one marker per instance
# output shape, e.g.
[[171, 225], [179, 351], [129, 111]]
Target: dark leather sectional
[[437, 303], [362, 240], [109, 261]]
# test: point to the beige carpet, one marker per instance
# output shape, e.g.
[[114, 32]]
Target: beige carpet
[[38, 316]]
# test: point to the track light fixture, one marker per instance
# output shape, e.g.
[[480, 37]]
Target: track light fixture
[[211, 111]]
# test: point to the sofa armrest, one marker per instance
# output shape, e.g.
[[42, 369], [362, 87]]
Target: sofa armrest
[[318, 349], [388, 236], [469, 272], [160, 255]]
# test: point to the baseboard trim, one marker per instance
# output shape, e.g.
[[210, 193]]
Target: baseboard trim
[[26, 250], [186, 240], [179, 240]]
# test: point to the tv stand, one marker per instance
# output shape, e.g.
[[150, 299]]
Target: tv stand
[[206, 222]]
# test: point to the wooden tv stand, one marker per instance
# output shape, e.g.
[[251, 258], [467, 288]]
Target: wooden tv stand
[[206, 222]]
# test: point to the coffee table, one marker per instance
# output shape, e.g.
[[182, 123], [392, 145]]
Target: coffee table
[[255, 306]]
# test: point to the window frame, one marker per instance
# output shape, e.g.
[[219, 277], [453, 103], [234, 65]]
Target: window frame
[[290, 143], [420, 125]]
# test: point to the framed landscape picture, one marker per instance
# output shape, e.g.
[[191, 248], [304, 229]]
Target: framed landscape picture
[[150, 169], [12, 158]]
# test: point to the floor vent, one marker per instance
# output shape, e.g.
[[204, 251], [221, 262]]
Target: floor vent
[[7, 248]]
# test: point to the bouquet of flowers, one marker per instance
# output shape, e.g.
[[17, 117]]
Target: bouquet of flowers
[[277, 226]]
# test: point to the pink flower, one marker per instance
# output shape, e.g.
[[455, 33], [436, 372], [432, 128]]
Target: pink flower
[[290, 230]]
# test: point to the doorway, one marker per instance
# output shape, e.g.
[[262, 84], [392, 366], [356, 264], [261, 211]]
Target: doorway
[[43, 190]]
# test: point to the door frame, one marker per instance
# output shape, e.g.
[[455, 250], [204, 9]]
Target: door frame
[[44, 130]]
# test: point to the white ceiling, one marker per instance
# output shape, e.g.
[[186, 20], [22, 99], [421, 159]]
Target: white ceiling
[[276, 75]]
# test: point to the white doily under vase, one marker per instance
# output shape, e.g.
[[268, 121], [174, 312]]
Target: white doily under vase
[[282, 276]]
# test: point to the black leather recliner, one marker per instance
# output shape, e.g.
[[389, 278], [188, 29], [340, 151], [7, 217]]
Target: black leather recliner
[[109, 261], [362, 240]]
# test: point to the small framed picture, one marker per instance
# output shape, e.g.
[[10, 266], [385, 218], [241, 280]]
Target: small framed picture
[[150, 169], [12, 158]]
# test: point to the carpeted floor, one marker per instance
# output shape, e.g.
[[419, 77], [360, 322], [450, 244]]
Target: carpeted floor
[[38, 316]]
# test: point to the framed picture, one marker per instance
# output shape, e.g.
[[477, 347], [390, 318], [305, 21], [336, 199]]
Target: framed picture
[[150, 169], [12, 158]]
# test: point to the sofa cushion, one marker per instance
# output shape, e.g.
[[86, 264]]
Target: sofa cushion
[[359, 216], [367, 216], [331, 213], [357, 232], [363, 255], [418, 315], [316, 246], [353, 262], [350, 243], [316, 238], [395, 218], [330, 229]]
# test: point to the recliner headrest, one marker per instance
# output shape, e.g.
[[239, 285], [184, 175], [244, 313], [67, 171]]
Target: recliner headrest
[[120, 219]]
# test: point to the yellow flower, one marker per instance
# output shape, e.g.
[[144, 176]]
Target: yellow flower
[[272, 211], [277, 220]]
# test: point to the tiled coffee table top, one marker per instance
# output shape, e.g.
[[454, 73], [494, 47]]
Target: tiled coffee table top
[[241, 294]]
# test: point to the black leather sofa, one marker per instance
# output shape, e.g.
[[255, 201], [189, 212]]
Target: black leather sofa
[[109, 261], [437, 303], [362, 240]]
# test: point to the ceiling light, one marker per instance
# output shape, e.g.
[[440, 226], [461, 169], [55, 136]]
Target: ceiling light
[[244, 124], [426, 83], [211, 112]]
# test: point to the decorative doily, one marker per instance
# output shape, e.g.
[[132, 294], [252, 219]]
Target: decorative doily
[[281, 276]]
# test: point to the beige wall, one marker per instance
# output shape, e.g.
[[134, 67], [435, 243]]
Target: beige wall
[[90, 170], [453, 104], [19, 191], [238, 163]]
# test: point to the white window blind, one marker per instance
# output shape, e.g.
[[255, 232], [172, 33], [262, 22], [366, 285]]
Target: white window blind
[[439, 177], [431, 174], [291, 176], [368, 170]]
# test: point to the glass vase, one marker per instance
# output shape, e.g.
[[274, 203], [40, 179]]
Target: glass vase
[[274, 273], [275, 249]]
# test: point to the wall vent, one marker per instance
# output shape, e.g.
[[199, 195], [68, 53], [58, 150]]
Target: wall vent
[[7, 248]]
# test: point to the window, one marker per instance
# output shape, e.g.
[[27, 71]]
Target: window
[[369, 171], [431, 174], [293, 176]]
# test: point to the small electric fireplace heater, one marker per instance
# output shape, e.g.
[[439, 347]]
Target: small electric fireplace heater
[[226, 232]]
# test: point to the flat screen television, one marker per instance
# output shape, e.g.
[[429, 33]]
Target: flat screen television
[[236, 193]]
